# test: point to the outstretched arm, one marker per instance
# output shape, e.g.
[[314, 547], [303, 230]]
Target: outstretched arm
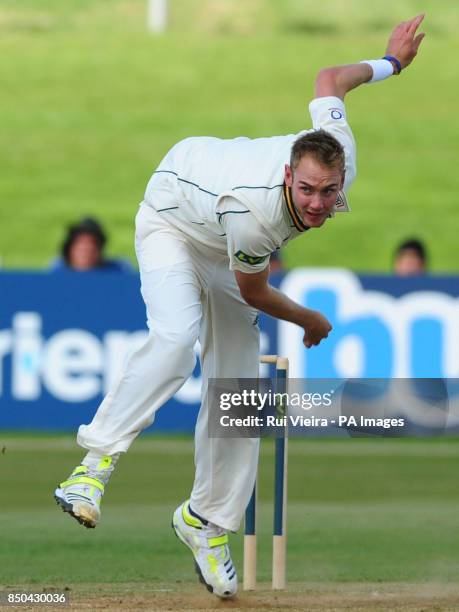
[[403, 45]]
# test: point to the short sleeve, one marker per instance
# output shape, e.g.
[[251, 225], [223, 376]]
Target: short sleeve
[[249, 248], [329, 114]]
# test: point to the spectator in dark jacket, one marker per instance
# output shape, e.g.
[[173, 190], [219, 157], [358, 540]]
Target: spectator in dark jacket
[[83, 250]]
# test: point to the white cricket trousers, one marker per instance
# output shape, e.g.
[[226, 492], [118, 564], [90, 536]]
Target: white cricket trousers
[[189, 293]]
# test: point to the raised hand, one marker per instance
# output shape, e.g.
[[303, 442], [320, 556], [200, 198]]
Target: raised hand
[[403, 42]]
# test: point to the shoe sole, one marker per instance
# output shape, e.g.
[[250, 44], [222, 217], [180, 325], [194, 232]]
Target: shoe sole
[[197, 569], [86, 521]]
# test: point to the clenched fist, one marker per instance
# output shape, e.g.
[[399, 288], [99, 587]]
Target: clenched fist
[[316, 328]]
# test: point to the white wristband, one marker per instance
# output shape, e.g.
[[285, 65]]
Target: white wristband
[[382, 69]]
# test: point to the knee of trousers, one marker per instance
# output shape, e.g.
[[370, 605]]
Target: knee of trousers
[[176, 340], [170, 355]]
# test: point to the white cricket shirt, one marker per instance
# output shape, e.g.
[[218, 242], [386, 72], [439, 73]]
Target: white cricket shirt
[[230, 194]]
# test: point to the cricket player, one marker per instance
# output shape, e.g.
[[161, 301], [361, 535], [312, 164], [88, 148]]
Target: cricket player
[[213, 212]]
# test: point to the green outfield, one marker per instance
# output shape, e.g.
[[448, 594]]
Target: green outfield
[[91, 102], [360, 511]]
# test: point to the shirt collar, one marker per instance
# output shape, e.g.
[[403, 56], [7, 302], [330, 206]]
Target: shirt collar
[[293, 213]]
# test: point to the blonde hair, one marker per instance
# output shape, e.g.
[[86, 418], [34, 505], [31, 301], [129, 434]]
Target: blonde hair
[[320, 145]]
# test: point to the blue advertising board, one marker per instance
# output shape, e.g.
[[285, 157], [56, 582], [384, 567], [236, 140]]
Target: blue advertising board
[[64, 337]]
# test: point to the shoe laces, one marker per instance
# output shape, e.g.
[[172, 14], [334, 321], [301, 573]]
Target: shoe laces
[[102, 475]]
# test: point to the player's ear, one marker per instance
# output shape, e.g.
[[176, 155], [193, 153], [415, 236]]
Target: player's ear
[[288, 175], [343, 176]]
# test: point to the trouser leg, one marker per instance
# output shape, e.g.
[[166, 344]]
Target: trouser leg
[[154, 372], [225, 467]]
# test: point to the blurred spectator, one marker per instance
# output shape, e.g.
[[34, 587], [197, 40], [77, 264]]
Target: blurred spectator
[[410, 258], [83, 250], [275, 263]]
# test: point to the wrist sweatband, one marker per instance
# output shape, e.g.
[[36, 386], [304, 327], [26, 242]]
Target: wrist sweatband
[[395, 61], [382, 69]]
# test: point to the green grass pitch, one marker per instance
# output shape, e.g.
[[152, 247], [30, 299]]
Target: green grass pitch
[[359, 511]]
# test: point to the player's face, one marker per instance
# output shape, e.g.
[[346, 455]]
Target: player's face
[[314, 189]]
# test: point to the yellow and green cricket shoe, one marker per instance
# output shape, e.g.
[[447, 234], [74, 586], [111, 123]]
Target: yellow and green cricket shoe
[[209, 545], [80, 495]]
